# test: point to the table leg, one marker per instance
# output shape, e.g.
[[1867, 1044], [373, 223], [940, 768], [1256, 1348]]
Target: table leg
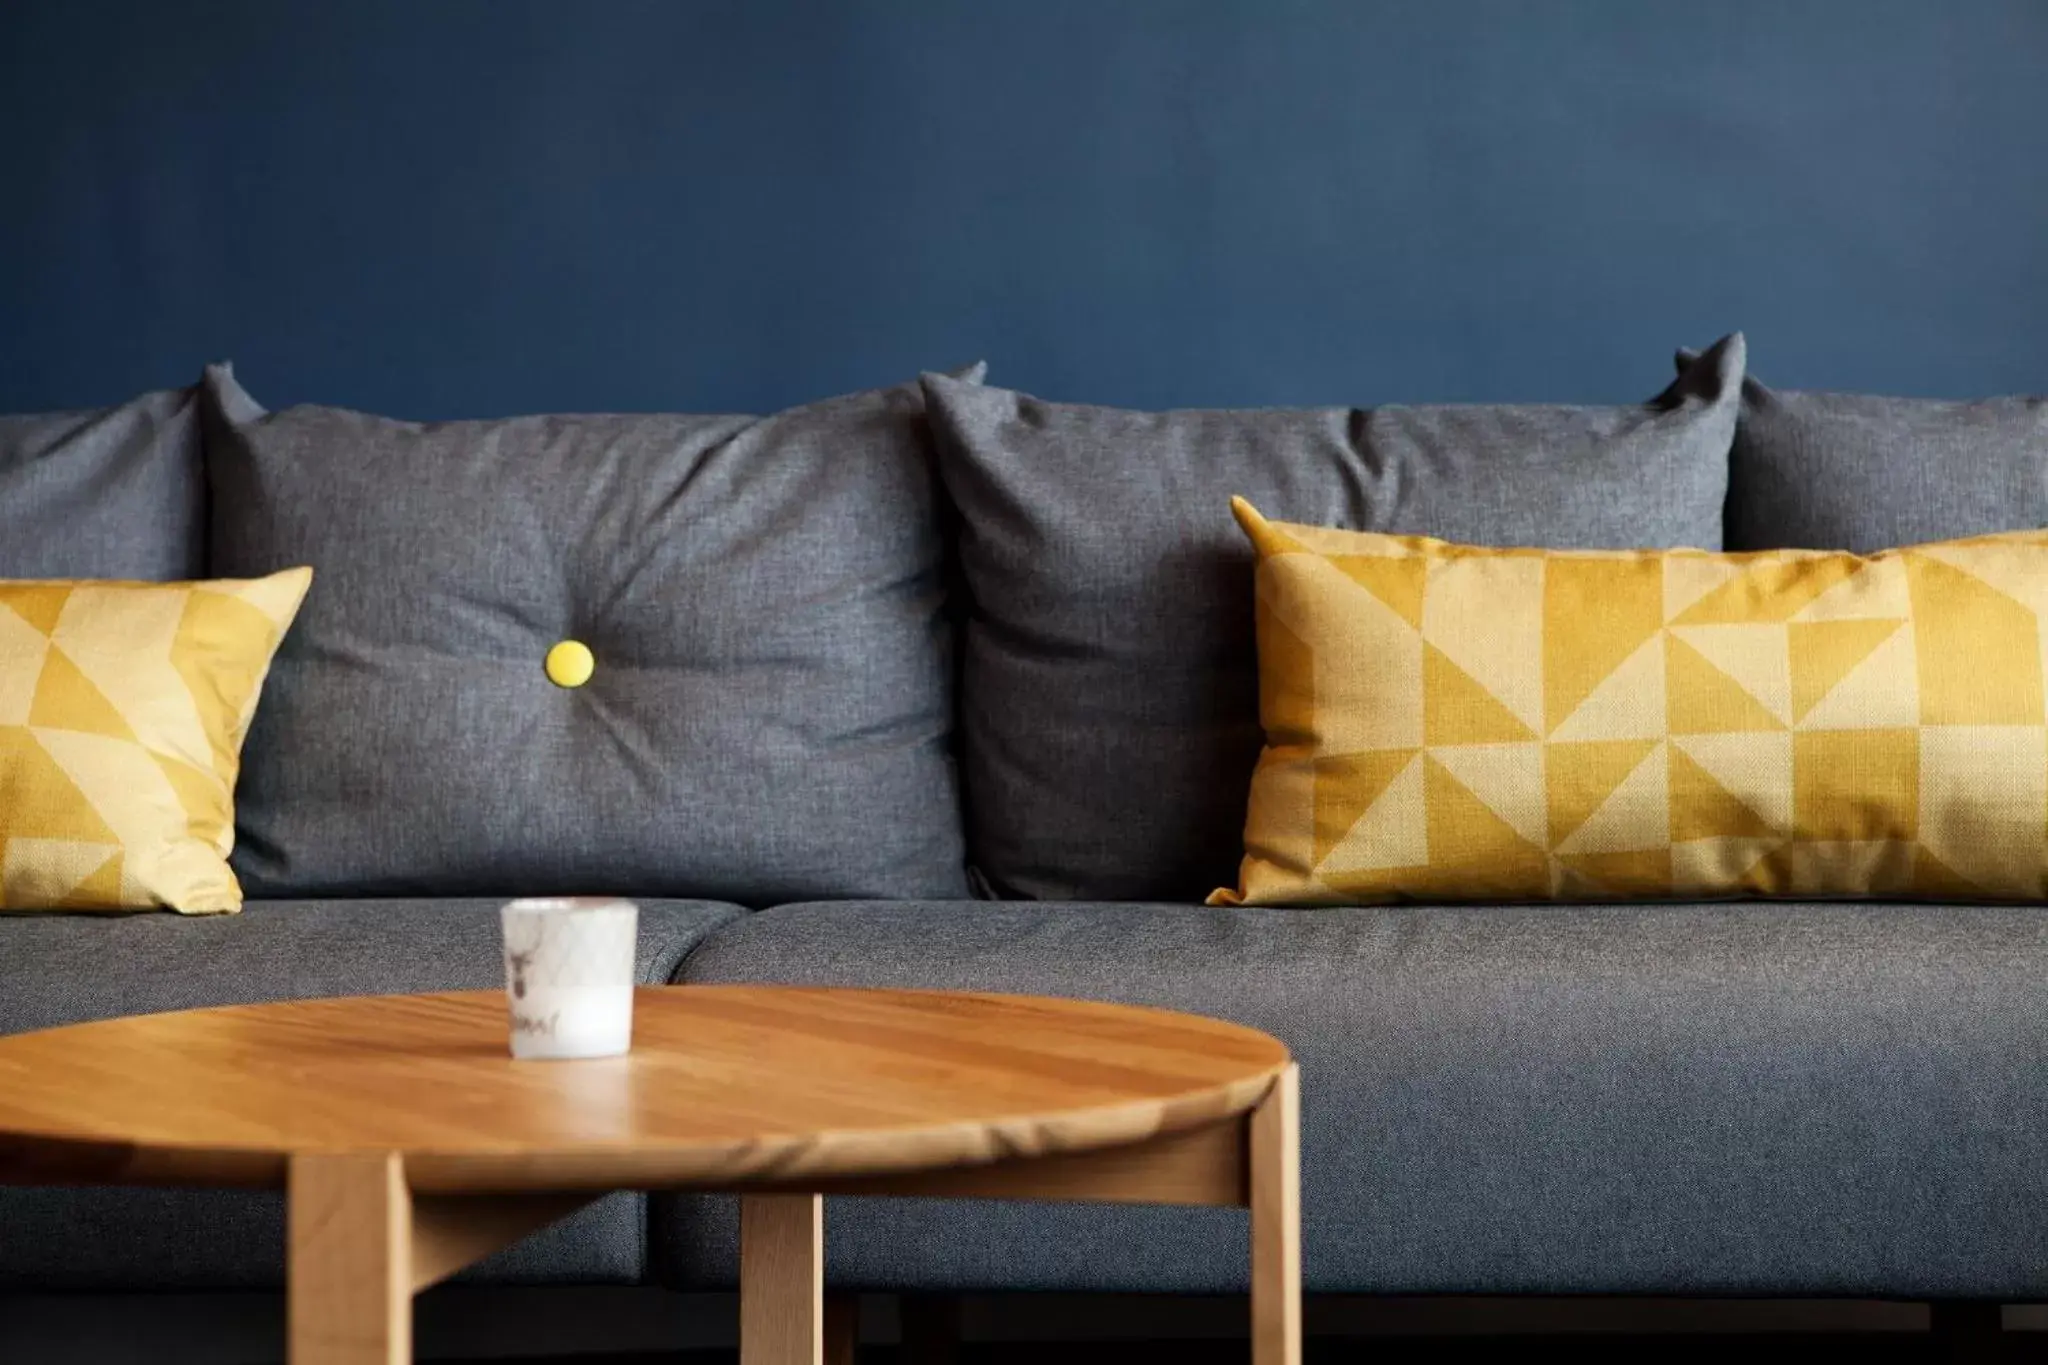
[[350, 1275], [1275, 1131], [782, 1279]]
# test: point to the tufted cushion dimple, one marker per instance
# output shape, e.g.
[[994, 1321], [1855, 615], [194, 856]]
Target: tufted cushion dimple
[[767, 707]]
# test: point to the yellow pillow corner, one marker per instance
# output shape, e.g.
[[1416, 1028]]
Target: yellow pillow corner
[[1455, 723], [123, 708]]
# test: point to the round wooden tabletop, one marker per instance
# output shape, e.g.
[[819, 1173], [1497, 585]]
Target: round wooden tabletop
[[726, 1086]]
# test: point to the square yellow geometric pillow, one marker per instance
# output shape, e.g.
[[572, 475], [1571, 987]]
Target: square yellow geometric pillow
[[122, 712], [1452, 723]]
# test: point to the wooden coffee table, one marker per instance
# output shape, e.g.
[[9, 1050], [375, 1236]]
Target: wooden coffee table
[[412, 1145]]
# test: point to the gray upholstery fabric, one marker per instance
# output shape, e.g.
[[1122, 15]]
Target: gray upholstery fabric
[[771, 710], [1109, 696], [113, 493], [1851, 471], [1686, 1099], [62, 969]]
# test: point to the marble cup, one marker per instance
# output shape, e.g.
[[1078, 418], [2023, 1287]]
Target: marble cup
[[569, 976]]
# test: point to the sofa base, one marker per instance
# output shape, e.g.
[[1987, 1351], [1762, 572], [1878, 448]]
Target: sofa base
[[465, 1322]]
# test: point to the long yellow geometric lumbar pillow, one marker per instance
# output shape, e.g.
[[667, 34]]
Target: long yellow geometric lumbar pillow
[[122, 712], [1451, 723]]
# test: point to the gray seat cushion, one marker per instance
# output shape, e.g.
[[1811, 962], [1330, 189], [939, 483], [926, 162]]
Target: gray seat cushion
[[1675, 1099], [114, 493], [771, 712], [1852, 471], [62, 969], [1109, 702]]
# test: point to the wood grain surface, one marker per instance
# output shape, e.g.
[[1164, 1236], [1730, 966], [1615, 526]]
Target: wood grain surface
[[1276, 1224], [350, 1244], [1209, 1165], [782, 1279], [454, 1231], [727, 1086]]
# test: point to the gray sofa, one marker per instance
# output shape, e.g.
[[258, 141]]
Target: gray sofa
[[945, 686]]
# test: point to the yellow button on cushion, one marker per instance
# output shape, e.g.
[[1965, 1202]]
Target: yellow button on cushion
[[570, 664]]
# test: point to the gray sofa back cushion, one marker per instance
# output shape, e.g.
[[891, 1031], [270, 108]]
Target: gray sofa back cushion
[[1109, 696], [771, 709], [1851, 471], [111, 493]]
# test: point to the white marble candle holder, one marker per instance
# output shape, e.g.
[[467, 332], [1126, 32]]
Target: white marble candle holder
[[569, 976]]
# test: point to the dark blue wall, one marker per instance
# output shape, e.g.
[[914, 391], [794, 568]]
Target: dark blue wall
[[452, 207]]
